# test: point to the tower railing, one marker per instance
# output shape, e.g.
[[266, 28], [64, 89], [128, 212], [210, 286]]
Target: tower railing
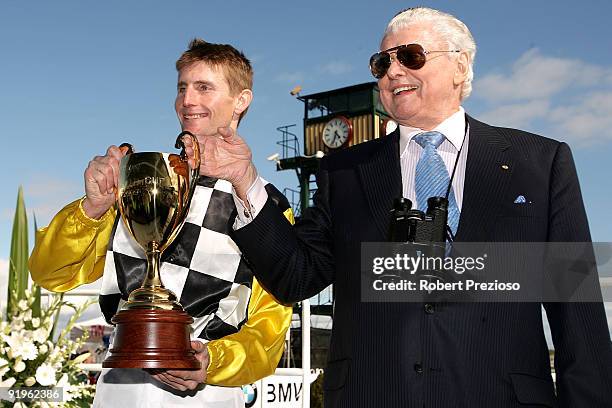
[[290, 145]]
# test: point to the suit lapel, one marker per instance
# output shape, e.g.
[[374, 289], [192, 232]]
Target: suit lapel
[[488, 171], [486, 181], [382, 180]]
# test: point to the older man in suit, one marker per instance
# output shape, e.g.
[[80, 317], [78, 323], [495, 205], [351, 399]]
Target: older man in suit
[[430, 355]]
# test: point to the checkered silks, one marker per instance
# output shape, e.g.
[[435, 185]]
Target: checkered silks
[[203, 266]]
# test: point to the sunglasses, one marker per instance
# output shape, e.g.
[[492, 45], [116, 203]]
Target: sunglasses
[[412, 56]]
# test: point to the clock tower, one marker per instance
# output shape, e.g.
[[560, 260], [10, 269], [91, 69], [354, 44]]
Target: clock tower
[[342, 117], [333, 120]]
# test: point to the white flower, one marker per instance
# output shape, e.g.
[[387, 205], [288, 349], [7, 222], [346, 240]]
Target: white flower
[[24, 338], [45, 375], [68, 389], [46, 324], [29, 351], [27, 334], [43, 349], [23, 305], [81, 358], [4, 367], [20, 404], [20, 346], [63, 381], [71, 348], [40, 335], [14, 341], [55, 355], [8, 383], [19, 366], [17, 324]]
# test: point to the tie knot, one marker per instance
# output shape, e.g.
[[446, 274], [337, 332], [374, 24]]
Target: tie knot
[[434, 139]]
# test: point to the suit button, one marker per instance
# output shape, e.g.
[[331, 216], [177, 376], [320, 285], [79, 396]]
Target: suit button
[[418, 368], [429, 308]]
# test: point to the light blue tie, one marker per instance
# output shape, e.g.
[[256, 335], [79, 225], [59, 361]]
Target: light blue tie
[[432, 178]]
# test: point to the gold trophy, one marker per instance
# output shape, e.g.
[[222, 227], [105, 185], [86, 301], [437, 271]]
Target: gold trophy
[[155, 189]]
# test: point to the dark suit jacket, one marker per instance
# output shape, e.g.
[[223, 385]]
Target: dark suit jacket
[[442, 355]]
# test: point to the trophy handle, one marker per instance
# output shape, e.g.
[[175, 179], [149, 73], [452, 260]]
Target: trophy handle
[[195, 172], [130, 150]]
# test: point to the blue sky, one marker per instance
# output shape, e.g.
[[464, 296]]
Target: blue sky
[[76, 76]]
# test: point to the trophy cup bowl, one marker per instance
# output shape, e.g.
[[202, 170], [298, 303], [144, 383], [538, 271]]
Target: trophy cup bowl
[[153, 196]]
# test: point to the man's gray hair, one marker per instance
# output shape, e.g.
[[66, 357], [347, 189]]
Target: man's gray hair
[[452, 30]]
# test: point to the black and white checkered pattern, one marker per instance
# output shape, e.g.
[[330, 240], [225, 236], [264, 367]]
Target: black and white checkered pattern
[[203, 266]]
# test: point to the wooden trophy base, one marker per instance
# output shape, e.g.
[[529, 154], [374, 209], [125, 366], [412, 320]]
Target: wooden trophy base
[[156, 338]]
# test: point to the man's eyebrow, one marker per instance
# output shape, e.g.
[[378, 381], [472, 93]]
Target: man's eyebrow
[[184, 83], [208, 83]]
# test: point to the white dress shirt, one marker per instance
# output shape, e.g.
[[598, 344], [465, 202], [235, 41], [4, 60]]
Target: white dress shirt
[[453, 128]]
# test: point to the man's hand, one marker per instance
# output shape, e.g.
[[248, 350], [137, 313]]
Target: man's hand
[[225, 156], [178, 165], [184, 380], [101, 180]]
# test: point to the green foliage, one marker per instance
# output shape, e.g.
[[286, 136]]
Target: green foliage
[[30, 353], [18, 262], [36, 311]]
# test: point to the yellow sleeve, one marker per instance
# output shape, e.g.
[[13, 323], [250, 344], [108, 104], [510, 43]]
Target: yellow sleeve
[[71, 250], [254, 352]]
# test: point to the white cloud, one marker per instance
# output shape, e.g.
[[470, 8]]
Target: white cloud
[[290, 77], [568, 97], [298, 77], [536, 76], [518, 115], [336, 68], [588, 120], [44, 186]]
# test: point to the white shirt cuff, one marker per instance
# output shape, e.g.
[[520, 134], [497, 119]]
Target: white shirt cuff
[[256, 198]]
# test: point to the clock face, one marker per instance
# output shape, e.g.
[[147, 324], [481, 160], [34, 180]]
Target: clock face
[[337, 132]]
